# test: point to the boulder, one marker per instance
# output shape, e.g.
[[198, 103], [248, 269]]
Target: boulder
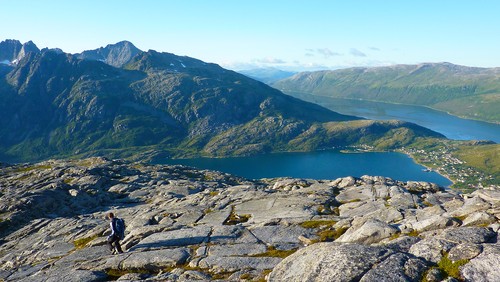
[[484, 267], [429, 212], [401, 199], [289, 183], [361, 208], [372, 231], [465, 251], [329, 262], [155, 260], [434, 222], [397, 267], [474, 235], [387, 214], [431, 249], [401, 244], [478, 218], [491, 196], [471, 205], [346, 182]]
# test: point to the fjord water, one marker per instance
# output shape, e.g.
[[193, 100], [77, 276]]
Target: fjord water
[[450, 126], [334, 164], [328, 164]]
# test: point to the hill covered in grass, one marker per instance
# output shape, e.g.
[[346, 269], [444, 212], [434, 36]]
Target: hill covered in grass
[[462, 91]]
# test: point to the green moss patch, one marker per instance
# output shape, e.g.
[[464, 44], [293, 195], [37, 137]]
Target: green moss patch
[[413, 233], [330, 235], [82, 242], [317, 223], [272, 252], [450, 268]]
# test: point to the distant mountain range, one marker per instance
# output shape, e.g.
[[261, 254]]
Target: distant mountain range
[[462, 91], [267, 75], [119, 101]]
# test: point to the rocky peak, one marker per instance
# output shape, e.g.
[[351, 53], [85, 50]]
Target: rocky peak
[[25, 49], [116, 55], [9, 50]]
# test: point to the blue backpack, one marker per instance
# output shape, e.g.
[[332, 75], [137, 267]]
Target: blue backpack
[[120, 228]]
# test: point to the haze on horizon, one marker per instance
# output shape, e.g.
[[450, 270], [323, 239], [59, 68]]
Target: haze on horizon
[[289, 35]]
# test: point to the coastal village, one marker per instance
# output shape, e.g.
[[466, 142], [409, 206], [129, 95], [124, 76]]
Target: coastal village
[[445, 163]]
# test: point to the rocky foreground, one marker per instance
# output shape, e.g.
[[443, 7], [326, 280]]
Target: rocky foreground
[[185, 224]]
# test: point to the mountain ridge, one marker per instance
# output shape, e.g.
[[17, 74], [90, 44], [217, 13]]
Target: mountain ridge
[[159, 102], [470, 92]]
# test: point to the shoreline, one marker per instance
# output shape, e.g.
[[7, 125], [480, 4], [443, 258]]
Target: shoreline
[[394, 103], [447, 176]]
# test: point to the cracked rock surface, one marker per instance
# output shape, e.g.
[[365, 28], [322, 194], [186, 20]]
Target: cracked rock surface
[[185, 224]]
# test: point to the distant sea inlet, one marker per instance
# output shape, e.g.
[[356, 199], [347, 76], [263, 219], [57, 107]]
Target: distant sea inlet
[[332, 164]]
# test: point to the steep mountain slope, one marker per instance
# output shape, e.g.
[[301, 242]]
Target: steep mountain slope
[[59, 105], [462, 91]]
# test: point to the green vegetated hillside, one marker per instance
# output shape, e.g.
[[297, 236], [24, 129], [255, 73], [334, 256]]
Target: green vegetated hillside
[[486, 157], [118, 101], [462, 91]]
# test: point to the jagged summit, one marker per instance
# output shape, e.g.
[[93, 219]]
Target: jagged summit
[[9, 49], [116, 55], [12, 51]]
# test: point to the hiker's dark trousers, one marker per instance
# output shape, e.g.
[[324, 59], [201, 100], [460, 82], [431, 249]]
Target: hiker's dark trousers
[[114, 243]]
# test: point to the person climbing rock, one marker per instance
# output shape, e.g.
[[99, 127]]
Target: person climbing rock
[[117, 232]]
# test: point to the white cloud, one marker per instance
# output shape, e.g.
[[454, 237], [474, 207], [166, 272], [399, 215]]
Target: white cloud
[[269, 60], [356, 53], [325, 52], [367, 63], [254, 63]]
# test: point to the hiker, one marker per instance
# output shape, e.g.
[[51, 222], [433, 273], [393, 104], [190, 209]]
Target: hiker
[[115, 236]]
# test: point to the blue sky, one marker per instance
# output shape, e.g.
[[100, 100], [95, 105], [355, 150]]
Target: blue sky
[[297, 35]]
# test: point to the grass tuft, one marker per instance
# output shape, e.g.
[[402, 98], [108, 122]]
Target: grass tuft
[[450, 268], [82, 242], [272, 252], [330, 235], [413, 233], [317, 223]]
